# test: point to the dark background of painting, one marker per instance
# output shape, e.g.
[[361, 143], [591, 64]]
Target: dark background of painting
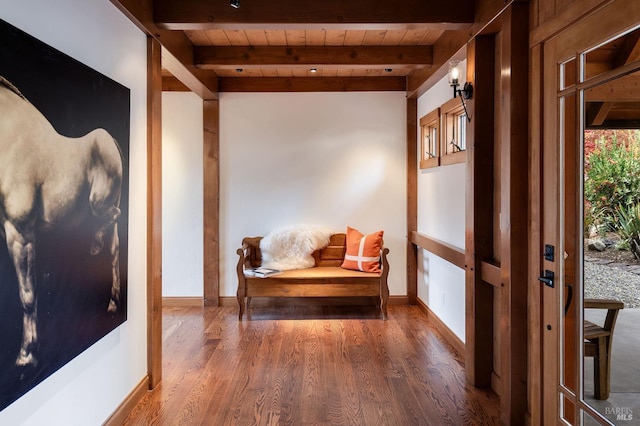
[[73, 288]]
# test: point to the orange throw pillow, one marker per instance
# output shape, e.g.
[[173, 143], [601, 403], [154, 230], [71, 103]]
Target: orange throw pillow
[[363, 251]]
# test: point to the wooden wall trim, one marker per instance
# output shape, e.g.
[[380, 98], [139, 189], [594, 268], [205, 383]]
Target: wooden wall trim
[[154, 212], [449, 336], [183, 301], [491, 274], [412, 198], [211, 202], [128, 404], [446, 251]]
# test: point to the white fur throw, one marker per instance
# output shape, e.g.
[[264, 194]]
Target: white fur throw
[[292, 247]]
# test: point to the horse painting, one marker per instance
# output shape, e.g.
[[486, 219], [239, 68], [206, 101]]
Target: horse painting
[[49, 181]]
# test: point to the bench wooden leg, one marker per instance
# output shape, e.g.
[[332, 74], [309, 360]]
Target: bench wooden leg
[[241, 305], [383, 306], [602, 370]]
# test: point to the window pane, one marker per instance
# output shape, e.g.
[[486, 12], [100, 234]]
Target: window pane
[[462, 131], [615, 53], [433, 141]]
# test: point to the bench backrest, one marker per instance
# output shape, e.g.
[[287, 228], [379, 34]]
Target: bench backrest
[[331, 255]]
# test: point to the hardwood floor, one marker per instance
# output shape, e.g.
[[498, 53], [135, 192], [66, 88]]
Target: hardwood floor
[[311, 365]]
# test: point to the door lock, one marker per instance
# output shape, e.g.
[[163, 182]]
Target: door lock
[[549, 252], [547, 278]]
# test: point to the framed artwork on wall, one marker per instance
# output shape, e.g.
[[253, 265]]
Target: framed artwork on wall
[[64, 206]]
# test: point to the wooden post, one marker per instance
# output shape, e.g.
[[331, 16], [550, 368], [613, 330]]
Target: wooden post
[[479, 212], [211, 187], [514, 113], [412, 199], [154, 212]]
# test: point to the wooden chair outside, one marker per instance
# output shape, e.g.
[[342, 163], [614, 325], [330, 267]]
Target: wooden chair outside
[[598, 344]]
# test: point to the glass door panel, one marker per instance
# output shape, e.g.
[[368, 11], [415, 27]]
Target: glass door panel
[[610, 370]]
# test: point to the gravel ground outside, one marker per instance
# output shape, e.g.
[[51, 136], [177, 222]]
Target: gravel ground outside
[[609, 282]]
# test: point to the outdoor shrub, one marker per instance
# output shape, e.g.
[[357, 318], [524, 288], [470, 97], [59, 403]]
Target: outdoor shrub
[[628, 226], [612, 177], [593, 220]]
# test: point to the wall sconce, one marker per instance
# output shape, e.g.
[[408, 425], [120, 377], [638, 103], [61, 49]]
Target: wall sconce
[[467, 90]]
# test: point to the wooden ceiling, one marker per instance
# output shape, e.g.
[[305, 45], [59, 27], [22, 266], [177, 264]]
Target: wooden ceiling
[[342, 45], [324, 45], [614, 104], [295, 53]]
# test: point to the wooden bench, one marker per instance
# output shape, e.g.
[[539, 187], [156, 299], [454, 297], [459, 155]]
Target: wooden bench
[[598, 344], [325, 279]]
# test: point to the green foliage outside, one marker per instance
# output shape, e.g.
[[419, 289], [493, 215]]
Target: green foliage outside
[[612, 178], [628, 227]]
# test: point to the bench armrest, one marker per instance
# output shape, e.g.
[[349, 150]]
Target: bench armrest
[[384, 263], [603, 304]]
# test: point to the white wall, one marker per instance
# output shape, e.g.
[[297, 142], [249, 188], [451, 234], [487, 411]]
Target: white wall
[[333, 159], [89, 388], [182, 202], [441, 215]]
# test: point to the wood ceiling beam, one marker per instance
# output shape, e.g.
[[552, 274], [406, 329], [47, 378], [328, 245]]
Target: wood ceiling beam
[[308, 14], [597, 112], [623, 89], [225, 57], [630, 50], [452, 43], [172, 84], [311, 84], [618, 124], [179, 60], [448, 47]]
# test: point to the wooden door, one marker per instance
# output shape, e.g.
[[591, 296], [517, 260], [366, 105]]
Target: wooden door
[[578, 61]]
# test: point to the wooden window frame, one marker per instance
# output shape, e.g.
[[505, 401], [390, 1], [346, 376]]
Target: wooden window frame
[[451, 112], [430, 124]]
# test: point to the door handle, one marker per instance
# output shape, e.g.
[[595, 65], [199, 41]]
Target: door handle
[[569, 288], [547, 278]]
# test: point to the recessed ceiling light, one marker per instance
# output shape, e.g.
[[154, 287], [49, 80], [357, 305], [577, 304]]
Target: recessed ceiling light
[[313, 70], [235, 4], [239, 70], [388, 69]]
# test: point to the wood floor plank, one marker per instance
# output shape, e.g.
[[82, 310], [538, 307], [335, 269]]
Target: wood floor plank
[[311, 365]]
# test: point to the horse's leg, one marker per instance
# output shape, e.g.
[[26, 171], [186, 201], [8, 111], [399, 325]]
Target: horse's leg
[[108, 219], [22, 250], [115, 270], [109, 229]]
